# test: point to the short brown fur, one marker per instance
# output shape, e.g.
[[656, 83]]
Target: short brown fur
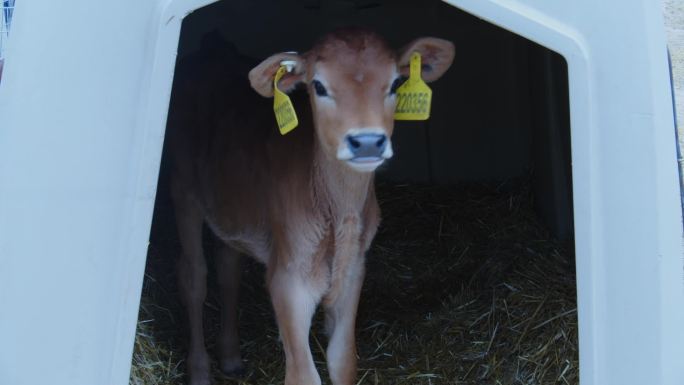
[[287, 201]]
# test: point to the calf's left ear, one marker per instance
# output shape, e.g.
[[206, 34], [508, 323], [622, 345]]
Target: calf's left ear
[[436, 57], [261, 77]]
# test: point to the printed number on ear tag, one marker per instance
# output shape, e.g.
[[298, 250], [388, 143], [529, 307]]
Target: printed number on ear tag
[[414, 96], [282, 105]]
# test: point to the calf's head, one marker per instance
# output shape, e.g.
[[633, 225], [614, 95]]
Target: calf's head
[[352, 76]]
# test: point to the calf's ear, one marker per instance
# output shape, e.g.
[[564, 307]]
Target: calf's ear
[[436, 57], [261, 76]]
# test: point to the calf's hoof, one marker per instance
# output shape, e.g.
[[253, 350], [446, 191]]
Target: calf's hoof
[[199, 379], [198, 368], [232, 367]]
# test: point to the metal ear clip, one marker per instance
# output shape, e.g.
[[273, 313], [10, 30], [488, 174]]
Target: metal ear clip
[[289, 64]]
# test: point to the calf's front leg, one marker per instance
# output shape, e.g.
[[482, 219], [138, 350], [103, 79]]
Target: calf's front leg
[[340, 323], [342, 300], [294, 302]]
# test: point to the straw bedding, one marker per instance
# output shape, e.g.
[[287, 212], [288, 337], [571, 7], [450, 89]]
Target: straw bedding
[[464, 286]]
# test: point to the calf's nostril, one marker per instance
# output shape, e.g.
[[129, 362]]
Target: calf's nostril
[[367, 145], [353, 143]]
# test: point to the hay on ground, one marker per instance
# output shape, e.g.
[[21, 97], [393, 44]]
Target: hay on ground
[[464, 286]]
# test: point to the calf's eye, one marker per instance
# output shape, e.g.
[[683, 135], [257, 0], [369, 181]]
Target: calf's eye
[[319, 88]]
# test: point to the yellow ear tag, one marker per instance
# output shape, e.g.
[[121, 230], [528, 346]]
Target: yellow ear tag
[[414, 96], [282, 105]]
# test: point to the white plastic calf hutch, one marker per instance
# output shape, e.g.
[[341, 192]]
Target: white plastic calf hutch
[[83, 104]]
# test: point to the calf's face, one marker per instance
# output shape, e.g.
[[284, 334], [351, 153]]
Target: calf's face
[[352, 77]]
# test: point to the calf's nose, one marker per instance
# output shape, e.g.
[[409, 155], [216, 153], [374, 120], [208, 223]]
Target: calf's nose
[[367, 145]]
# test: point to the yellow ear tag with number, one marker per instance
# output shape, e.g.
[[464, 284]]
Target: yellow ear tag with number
[[414, 96], [282, 105]]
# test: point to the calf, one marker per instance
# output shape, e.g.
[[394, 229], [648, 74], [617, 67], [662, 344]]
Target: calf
[[303, 204]]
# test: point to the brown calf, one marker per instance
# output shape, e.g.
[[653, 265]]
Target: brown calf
[[303, 204]]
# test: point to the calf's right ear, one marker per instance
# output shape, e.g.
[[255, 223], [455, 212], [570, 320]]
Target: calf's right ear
[[261, 76]]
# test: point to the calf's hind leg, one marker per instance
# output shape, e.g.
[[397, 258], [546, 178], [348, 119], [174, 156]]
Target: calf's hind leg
[[228, 276], [192, 284]]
